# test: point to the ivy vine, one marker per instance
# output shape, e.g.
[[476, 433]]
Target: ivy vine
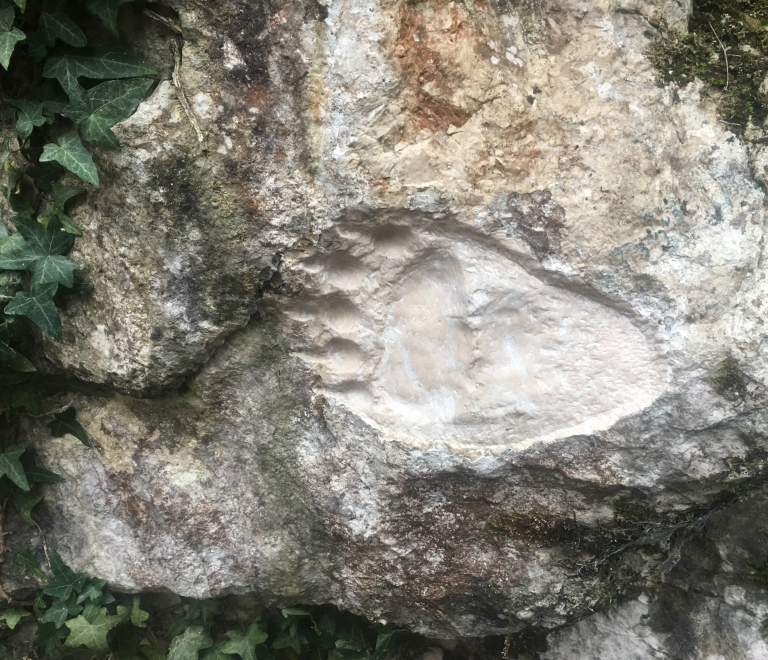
[[78, 616], [63, 85]]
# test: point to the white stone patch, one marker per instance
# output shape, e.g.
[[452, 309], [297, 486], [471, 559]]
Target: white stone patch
[[445, 342], [232, 57], [203, 106]]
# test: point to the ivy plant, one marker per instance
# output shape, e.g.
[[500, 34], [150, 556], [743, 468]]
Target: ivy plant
[[74, 615], [62, 89], [82, 89], [63, 85]]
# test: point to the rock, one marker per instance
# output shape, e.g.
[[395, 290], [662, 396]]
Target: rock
[[433, 653], [709, 606], [182, 235], [455, 320]]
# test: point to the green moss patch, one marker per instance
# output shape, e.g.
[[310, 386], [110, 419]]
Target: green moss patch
[[727, 49]]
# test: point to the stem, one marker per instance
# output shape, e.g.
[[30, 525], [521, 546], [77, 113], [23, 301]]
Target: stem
[[725, 54], [45, 545], [180, 93]]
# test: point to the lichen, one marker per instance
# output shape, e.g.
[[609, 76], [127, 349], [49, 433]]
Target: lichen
[[720, 30]]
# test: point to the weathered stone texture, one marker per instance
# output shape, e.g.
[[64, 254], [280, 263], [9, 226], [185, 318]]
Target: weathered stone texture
[[709, 606], [506, 315]]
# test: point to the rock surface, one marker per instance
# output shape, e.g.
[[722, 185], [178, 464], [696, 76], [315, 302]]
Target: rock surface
[[455, 318], [709, 606]]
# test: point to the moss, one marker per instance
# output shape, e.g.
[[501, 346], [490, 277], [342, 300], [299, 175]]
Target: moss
[[533, 527], [608, 557], [729, 380], [741, 28], [759, 574], [628, 510]]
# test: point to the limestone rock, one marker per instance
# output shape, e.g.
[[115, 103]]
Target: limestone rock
[[710, 606], [506, 341]]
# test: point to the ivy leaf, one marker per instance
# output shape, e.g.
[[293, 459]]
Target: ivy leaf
[[49, 639], [57, 25], [106, 63], [11, 244], [35, 473], [216, 653], [41, 241], [93, 590], [36, 45], [44, 174], [11, 466], [52, 99], [39, 605], [10, 283], [138, 616], [9, 35], [203, 609], [92, 634], [13, 360], [104, 106], [19, 260], [102, 63], [54, 268], [59, 612], [21, 4], [13, 615], [328, 622], [351, 640], [39, 308], [150, 652], [59, 568], [41, 253], [289, 639], [25, 502], [244, 644], [66, 71], [24, 559], [66, 581], [60, 195], [90, 611], [106, 10], [29, 114], [71, 153], [385, 641], [187, 645], [66, 423]]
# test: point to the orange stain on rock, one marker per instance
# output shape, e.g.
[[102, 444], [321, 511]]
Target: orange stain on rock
[[429, 48]]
